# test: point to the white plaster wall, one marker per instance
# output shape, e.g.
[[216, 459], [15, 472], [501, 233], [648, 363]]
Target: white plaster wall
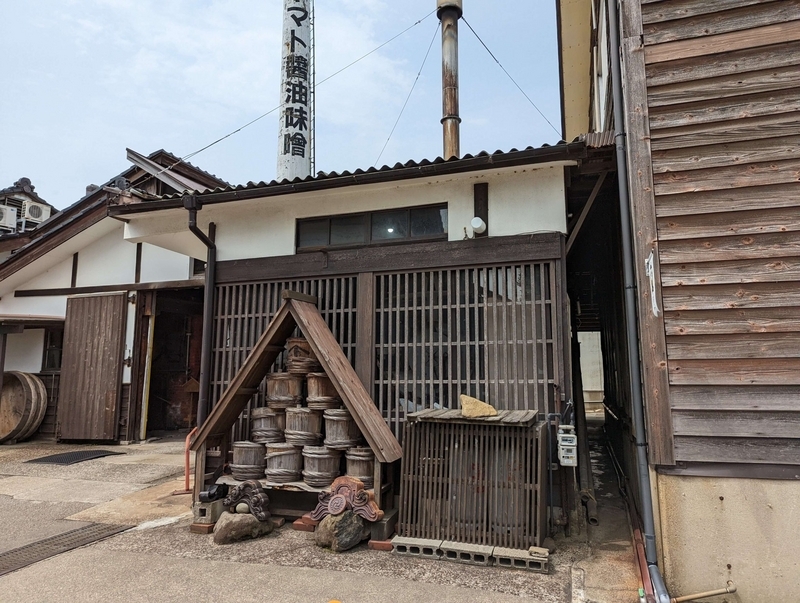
[[591, 365], [56, 277], [719, 529], [521, 200], [111, 260], [160, 264], [24, 351], [129, 330]]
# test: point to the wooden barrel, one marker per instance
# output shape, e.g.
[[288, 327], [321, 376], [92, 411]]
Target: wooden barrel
[[303, 426], [321, 465], [284, 390], [361, 465], [284, 463], [267, 425], [23, 403], [300, 359], [341, 431], [248, 460], [322, 395]]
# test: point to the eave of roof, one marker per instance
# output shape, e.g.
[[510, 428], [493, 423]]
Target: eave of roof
[[469, 163]]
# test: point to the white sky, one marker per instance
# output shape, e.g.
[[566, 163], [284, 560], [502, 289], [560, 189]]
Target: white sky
[[84, 79]]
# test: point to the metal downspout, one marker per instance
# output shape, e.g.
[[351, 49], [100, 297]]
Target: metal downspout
[[191, 203], [630, 313]]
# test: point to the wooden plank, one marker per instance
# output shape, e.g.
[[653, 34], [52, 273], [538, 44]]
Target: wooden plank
[[722, 155], [252, 372], [721, 43], [730, 64], [736, 398], [737, 450], [758, 424], [722, 132], [358, 401], [655, 382], [715, 249], [659, 12], [735, 200], [736, 223], [776, 270], [751, 295], [289, 294], [187, 284], [365, 327], [757, 345], [754, 174], [714, 322], [756, 82], [729, 19], [750, 371], [390, 258], [585, 211], [731, 108]]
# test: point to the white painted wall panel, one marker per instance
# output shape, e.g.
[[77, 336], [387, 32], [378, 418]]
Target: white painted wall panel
[[24, 351], [160, 264], [111, 260], [129, 330], [55, 278]]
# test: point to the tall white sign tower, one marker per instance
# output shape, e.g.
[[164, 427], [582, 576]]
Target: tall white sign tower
[[295, 133]]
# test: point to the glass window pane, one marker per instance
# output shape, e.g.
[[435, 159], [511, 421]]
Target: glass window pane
[[312, 233], [389, 225], [348, 230], [428, 221]]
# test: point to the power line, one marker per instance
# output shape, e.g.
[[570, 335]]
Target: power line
[[511, 78], [262, 116], [410, 92]]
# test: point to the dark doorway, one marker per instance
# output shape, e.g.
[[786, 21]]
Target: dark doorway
[[175, 361]]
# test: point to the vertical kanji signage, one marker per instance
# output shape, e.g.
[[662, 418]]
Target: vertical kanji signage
[[294, 138]]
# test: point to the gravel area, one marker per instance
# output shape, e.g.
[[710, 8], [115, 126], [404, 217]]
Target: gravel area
[[288, 547]]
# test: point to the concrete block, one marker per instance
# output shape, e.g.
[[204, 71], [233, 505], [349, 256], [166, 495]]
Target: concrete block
[[417, 547], [520, 559], [471, 554], [207, 513], [383, 529]]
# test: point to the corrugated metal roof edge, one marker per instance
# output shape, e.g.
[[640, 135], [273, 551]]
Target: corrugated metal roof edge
[[409, 170]]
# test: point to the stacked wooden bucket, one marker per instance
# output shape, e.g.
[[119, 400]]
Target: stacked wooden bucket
[[303, 436]]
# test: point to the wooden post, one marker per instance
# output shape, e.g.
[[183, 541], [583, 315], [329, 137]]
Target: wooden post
[[365, 326]]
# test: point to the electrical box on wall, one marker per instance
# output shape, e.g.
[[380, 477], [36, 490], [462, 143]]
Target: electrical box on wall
[[567, 446]]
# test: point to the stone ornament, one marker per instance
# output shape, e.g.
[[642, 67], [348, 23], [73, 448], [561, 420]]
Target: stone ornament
[[253, 495], [347, 494]]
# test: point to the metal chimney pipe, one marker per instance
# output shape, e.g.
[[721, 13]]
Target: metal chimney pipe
[[449, 12]]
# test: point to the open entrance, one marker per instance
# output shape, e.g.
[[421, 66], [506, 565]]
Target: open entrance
[[169, 369]]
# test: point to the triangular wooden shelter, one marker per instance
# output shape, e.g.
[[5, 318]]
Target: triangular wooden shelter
[[298, 310]]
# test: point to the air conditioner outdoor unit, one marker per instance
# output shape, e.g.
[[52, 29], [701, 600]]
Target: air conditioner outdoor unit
[[35, 212], [8, 218]]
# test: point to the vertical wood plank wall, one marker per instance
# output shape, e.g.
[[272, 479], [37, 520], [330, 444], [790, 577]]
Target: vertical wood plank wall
[[725, 149]]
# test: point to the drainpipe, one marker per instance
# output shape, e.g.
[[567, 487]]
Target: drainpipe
[[192, 204], [662, 596]]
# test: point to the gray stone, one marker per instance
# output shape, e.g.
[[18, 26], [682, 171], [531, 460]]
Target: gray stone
[[242, 508], [238, 526], [341, 532]]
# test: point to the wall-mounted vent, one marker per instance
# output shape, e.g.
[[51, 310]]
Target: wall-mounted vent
[[35, 212], [8, 218]]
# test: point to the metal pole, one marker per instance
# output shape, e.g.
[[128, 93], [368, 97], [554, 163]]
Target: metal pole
[[449, 12]]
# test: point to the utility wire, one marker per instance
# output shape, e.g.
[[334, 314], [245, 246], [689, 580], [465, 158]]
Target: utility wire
[[511, 78], [262, 116], [408, 98]]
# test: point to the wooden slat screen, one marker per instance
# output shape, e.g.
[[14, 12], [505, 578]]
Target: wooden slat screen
[[243, 312], [485, 331]]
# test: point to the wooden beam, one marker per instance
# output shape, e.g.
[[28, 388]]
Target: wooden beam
[[187, 284], [366, 415], [288, 294], [365, 329], [481, 205], [585, 211]]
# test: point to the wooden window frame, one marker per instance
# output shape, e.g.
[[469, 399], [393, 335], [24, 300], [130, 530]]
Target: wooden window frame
[[46, 347], [368, 217]]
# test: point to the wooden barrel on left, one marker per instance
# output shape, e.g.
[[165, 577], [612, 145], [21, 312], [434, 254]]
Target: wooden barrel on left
[[23, 403]]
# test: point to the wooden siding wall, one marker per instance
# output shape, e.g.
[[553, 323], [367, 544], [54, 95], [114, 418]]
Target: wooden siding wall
[[48, 427], [722, 84]]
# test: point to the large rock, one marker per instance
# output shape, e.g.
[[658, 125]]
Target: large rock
[[472, 407], [341, 532], [232, 527]]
